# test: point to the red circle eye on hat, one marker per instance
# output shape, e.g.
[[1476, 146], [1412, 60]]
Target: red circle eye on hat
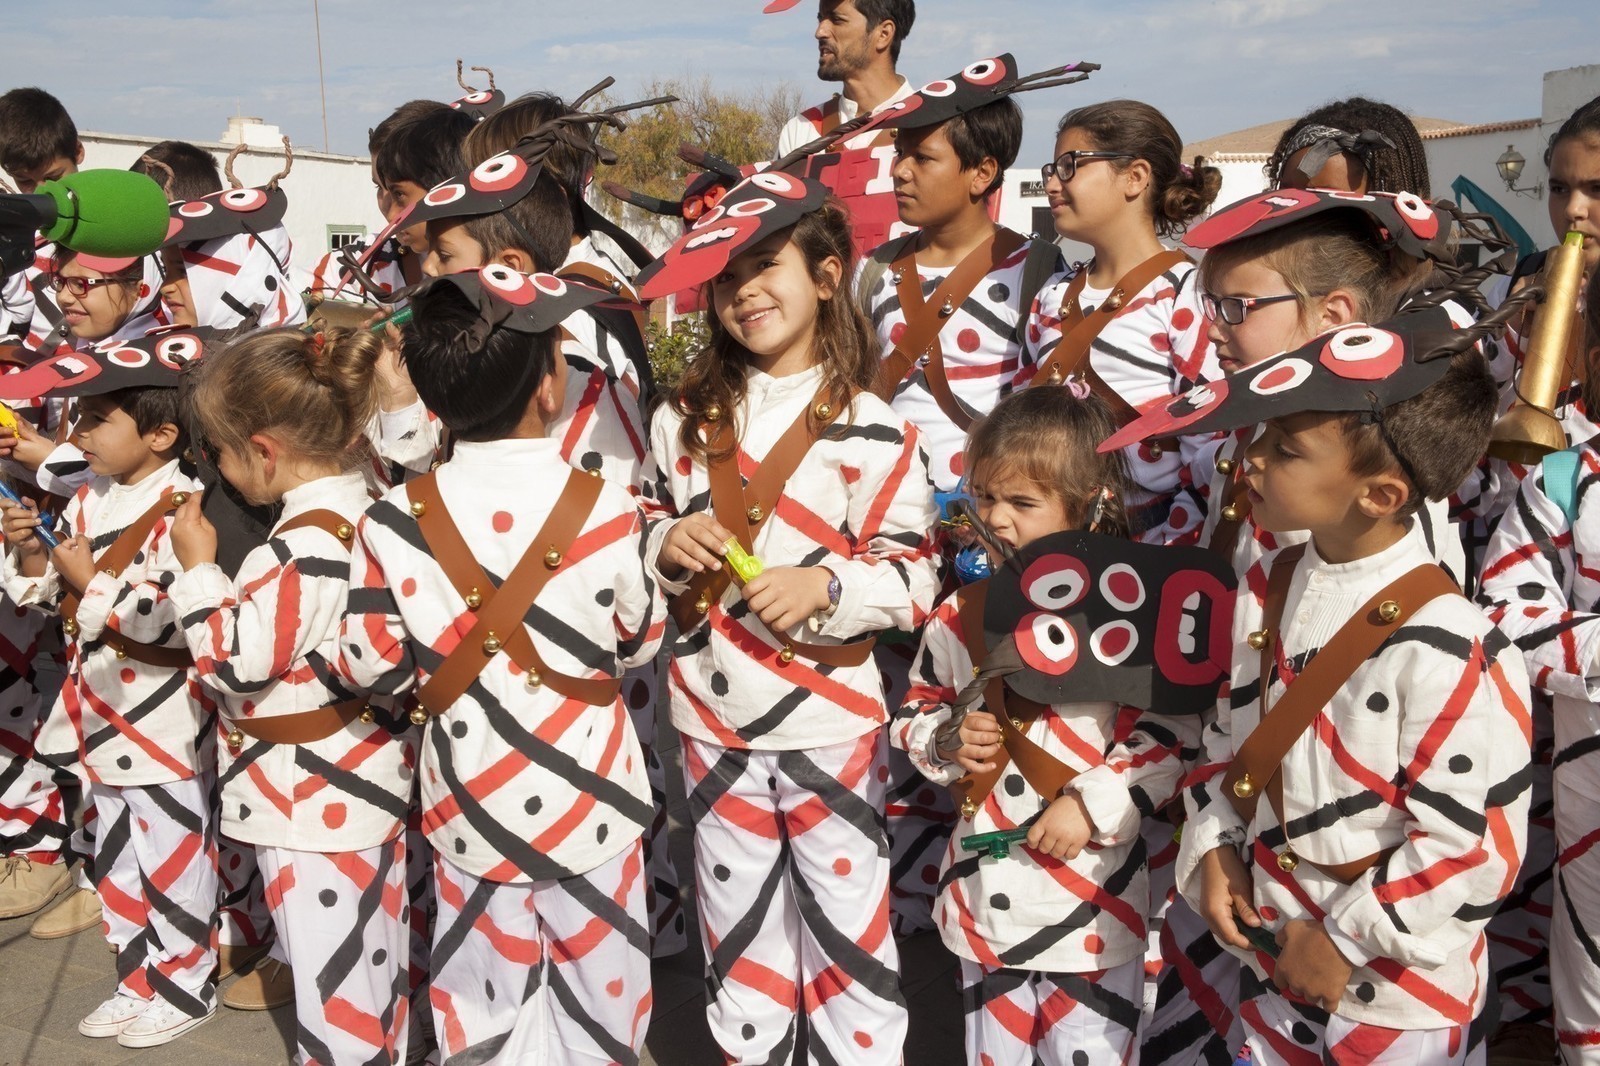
[[1055, 582], [548, 284], [440, 195], [1121, 586], [750, 208], [177, 352], [779, 184], [1281, 377], [128, 357], [709, 217], [244, 199], [195, 209], [939, 89], [1046, 643], [483, 96], [507, 284], [498, 173], [1114, 642], [1363, 353], [1419, 215], [985, 72]]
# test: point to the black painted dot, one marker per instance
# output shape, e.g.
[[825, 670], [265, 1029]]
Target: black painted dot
[[601, 833], [1460, 764], [244, 812], [380, 957], [351, 650], [720, 872], [1365, 992], [327, 897], [138, 558], [458, 729], [677, 923], [1302, 1033], [1014, 785], [488, 991], [605, 597], [590, 461], [124, 763], [772, 784], [719, 682], [1377, 703], [533, 805], [272, 283], [999, 293], [461, 846], [1000, 901], [145, 606], [748, 1031], [1080, 1058]]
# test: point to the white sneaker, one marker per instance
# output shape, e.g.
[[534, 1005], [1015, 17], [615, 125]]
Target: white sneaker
[[112, 1016], [160, 1023]]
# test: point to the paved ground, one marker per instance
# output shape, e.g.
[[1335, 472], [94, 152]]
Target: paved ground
[[47, 986]]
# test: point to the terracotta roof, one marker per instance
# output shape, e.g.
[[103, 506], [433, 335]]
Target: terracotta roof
[[1261, 140], [1488, 127]]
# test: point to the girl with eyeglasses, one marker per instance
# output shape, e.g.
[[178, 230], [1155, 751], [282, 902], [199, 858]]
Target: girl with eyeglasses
[[104, 299], [1128, 322]]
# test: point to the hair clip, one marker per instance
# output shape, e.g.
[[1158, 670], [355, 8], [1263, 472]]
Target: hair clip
[[319, 340], [1078, 386], [1102, 497]]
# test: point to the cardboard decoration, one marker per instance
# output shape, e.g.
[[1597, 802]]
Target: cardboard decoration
[[226, 214], [1406, 222], [1357, 368], [1101, 618], [155, 360], [765, 203], [525, 303], [975, 85], [775, 6], [481, 103]]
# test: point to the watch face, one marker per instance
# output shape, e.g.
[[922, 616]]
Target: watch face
[[834, 589]]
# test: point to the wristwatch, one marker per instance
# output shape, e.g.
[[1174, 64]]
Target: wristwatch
[[834, 591]]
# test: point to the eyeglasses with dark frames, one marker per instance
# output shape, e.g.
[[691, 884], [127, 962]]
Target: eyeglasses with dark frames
[[1065, 167], [80, 287], [1233, 309]]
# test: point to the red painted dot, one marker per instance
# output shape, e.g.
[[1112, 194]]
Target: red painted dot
[[863, 1039], [1034, 333], [930, 874], [1160, 342], [333, 815], [1116, 642], [248, 706], [841, 867], [883, 773], [1269, 914], [128, 676], [895, 332], [614, 988], [502, 521], [1182, 318], [968, 340], [684, 465], [408, 587], [851, 474], [1094, 944], [1275, 378], [1178, 517], [1124, 585], [958, 463]]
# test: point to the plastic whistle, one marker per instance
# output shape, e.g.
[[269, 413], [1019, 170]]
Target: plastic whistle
[[45, 536], [1259, 937], [995, 845], [398, 319], [745, 566]]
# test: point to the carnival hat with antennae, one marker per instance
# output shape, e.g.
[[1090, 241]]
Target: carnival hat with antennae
[[478, 103], [975, 85], [155, 360]]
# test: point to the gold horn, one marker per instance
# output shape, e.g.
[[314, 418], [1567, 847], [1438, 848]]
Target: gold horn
[[1531, 430]]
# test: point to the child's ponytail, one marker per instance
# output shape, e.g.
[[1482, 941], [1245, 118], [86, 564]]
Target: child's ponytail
[[314, 392]]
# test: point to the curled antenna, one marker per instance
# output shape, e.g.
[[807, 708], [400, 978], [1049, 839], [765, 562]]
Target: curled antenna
[[583, 98], [481, 70], [1488, 327], [156, 164], [966, 513], [227, 166], [697, 156], [1070, 74], [486, 72], [355, 271], [1002, 660], [1463, 284], [288, 165]]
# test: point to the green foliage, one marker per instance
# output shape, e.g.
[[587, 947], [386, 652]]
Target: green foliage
[[671, 350]]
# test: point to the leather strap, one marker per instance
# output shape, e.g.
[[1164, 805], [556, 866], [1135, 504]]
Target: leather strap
[[1235, 497], [924, 320], [1044, 772], [743, 509], [1260, 757], [830, 122], [1079, 330], [602, 278], [114, 560], [302, 728], [501, 610], [332, 523]]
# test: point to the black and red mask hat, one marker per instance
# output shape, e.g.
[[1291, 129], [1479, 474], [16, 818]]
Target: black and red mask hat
[[478, 103], [1359, 369], [1404, 221], [506, 299], [154, 361], [703, 192], [1096, 618], [975, 85], [765, 203]]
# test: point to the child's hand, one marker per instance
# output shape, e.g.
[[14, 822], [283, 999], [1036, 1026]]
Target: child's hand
[[395, 391], [194, 539], [75, 561], [24, 445], [980, 742], [693, 546], [1064, 829], [19, 523], [1225, 891], [785, 596], [1310, 965]]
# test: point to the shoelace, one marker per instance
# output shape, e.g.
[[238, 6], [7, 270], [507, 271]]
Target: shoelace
[[12, 863]]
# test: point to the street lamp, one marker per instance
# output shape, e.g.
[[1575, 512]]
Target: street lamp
[[1510, 166]]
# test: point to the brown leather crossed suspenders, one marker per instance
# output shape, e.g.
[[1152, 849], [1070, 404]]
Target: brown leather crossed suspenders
[[1235, 499], [1047, 774], [742, 508], [1257, 765]]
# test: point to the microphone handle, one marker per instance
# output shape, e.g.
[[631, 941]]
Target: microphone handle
[[44, 535]]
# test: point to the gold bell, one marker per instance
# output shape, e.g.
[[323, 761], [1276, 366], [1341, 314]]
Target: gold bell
[[702, 605], [418, 716], [491, 644], [594, 471], [754, 513], [1115, 301], [235, 739], [1244, 788], [1389, 610], [1258, 639], [1230, 513], [1288, 862], [1224, 466], [474, 599], [534, 680], [968, 808], [179, 499], [122, 653], [70, 627], [824, 410], [976, 670], [552, 559], [714, 412], [366, 716], [344, 531], [1155, 449], [947, 309], [419, 508], [1016, 723], [786, 655]]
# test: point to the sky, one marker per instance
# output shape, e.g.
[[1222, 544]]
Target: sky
[[179, 68]]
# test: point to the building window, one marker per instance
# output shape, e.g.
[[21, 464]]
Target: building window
[[344, 236]]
